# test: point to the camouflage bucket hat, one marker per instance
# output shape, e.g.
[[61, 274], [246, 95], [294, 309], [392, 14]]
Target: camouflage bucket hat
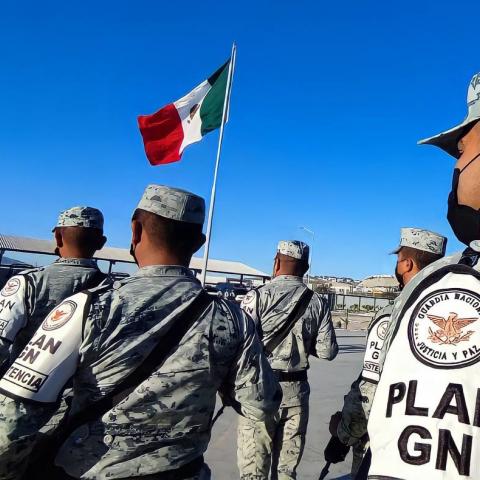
[[448, 140], [421, 239], [173, 203], [294, 248], [86, 217]]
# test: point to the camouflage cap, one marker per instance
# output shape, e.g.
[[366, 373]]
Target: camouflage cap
[[424, 240], [448, 140], [87, 217], [294, 248], [173, 203]]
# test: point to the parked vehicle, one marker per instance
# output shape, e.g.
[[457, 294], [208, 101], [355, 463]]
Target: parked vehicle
[[232, 291], [211, 290]]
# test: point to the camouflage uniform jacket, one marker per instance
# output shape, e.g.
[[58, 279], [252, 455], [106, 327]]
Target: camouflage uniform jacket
[[312, 334], [165, 422], [358, 401], [28, 297]]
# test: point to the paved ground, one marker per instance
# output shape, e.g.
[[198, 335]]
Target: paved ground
[[329, 382]]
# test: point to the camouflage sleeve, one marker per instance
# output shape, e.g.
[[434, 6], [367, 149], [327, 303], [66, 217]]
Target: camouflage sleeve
[[355, 412], [20, 423], [251, 386], [5, 347], [325, 345]]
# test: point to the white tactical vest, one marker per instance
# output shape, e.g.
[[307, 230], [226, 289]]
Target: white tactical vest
[[50, 358], [375, 339], [425, 418]]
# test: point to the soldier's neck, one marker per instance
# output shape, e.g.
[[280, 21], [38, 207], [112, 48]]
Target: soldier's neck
[[71, 252], [164, 258]]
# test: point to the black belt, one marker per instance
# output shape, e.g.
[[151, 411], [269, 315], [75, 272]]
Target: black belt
[[292, 376]]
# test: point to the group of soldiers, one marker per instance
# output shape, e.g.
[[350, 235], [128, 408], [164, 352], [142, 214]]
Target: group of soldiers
[[116, 380]]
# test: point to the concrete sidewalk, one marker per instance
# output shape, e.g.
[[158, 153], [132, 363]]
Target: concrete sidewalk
[[329, 382]]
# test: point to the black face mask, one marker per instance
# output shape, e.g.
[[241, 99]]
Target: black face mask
[[464, 220]]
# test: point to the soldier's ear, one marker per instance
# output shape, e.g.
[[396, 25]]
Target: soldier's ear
[[57, 233], [409, 264], [102, 242], [198, 243], [276, 264], [137, 231]]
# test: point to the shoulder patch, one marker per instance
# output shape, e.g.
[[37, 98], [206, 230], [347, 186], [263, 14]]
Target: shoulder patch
[[375, 340], [60, 315], [13, 307], [444, 329], [11, 287], [249, 297]]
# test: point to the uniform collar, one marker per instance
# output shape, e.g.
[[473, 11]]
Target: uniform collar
[[164, 271], [77, 262], [288, 278]]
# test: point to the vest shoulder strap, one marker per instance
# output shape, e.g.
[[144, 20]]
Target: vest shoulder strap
[[296, 313]]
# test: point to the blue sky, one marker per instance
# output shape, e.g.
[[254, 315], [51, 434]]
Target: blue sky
[[329, 100]]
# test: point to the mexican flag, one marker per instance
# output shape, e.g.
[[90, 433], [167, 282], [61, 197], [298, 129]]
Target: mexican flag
[[169, 131]]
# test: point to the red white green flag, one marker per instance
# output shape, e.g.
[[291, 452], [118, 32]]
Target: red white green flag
[[169, 131]]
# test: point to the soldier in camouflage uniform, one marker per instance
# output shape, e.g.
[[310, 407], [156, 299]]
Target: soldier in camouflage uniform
[[311, 334], [418, 248], [460, 272], [161, 428], [27, 297]]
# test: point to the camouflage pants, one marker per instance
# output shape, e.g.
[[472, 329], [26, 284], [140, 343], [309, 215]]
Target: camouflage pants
[[277, 447], [358, 452]]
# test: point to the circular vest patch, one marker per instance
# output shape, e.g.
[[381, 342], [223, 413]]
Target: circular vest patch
[[60, 315], [444, 329], [11, 287], [382, 329], [249, 297]]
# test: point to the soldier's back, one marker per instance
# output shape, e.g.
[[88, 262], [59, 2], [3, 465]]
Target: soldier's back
[[164, 423], [275, 303]]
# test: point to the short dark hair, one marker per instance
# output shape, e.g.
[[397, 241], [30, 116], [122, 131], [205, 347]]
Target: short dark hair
[[293, 266], [87, 240], [179, 237], [421, 258]]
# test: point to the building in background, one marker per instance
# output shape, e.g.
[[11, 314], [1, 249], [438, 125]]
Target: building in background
[[377, 285]]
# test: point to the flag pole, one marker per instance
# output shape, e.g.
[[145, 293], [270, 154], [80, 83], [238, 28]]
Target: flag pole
[[226, 102]]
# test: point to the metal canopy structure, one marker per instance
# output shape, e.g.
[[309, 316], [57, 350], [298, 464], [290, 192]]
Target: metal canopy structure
[[122, 255]]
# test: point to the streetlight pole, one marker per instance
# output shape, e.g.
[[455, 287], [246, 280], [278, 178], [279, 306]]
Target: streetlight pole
[[310, 260]]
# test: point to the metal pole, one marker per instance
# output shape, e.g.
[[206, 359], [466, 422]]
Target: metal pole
[[310, 270], [310, 260], [231, 68]]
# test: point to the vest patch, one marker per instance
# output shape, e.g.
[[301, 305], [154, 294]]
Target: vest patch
[[375, 340], [25, 377], [444, 329], [11, 287], [60, 315], [50, 358]]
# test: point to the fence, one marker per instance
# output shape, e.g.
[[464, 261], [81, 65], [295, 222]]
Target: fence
[[358, 303]]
